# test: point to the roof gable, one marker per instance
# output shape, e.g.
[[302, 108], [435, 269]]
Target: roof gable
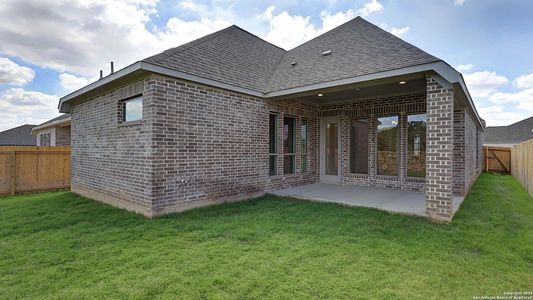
[[236, 60], [232, 55], [235, 56], [357, 48]]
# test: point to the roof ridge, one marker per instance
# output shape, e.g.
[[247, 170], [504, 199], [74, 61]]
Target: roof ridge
[[397, 37], [184, 47], [258, 37], [287, 52]]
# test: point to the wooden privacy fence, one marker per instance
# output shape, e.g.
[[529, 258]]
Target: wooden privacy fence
[[522, 159], [32, 169], [497, 159]]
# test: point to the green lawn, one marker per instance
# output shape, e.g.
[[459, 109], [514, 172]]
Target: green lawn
[[58, 245]]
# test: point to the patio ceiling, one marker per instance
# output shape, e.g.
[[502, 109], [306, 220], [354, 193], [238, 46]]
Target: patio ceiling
[[413, 84]]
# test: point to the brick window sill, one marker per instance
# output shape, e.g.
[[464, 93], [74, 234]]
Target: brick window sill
[[282, 177], [387, 177], [130, 123], [415, 179], [359, 175]]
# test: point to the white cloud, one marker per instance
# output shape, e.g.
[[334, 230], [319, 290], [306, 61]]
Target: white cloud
[[89, 34], [399, 31], [224, 11], [500, 108], [497, 116], [464, 68], [178, 31], [72, 82], [14, 74], [301, 28], [524, 81], [522, 99], [18, 106], [459, 2], [483, 84], [370, 7]]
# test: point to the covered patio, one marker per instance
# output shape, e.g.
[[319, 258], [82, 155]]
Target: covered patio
[[397, 201]]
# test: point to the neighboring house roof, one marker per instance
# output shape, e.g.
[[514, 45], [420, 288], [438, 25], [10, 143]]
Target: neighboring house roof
[[511, 134], [18, 136], [237, 60], [62, 120]]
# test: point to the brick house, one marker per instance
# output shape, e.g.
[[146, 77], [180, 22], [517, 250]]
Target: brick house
[[54, 132], [230, 116]]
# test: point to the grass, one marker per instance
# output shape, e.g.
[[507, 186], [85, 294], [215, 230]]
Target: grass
[[59, 245]]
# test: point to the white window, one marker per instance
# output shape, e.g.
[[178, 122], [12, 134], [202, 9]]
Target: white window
[[45, 139]]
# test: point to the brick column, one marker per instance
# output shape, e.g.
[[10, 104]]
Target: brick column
[[298, 146], [402, 160], [344, 151], [439, 152], [372, 146]]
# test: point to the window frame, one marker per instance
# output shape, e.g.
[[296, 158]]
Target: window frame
[[123, 117], [304, 155], [398, 146], [290, 155], [368, 146], [273, 156], [45, 139], [407, 146]]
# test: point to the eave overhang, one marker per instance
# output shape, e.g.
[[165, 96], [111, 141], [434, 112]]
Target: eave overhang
[[447, 76]]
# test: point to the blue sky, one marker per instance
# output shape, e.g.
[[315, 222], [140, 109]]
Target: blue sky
[[50, 48]]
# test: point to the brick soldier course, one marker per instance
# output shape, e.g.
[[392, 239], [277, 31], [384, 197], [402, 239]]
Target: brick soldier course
[[204, 136]]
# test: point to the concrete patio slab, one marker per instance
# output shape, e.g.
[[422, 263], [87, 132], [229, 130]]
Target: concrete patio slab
[[404, 202]]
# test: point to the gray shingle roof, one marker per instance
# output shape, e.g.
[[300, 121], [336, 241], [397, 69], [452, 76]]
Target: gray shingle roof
[[232, 56], [235, 56], [358, 48], [18, 136], [512, 134]]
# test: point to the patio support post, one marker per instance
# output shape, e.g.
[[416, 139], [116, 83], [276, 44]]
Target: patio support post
[[402, 174], [439, 150]]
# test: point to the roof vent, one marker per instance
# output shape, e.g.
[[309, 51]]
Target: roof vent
[[293, 63], [326, 53]]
